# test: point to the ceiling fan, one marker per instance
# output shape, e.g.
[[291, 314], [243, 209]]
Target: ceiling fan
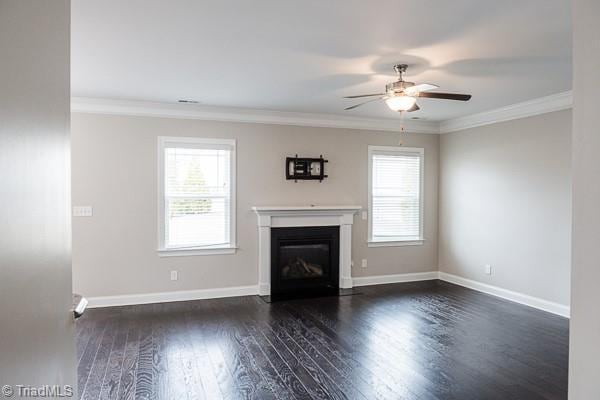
[[402, 95]]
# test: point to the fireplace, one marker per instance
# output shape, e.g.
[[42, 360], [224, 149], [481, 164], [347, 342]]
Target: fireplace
[[305, 261], [273, 218]]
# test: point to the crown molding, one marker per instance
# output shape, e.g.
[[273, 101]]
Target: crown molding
[[542, 105], [231, 114]]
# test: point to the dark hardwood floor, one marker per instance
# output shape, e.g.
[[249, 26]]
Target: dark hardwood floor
[[428, 340]]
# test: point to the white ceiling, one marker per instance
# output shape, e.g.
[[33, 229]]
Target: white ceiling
[[305, 55]]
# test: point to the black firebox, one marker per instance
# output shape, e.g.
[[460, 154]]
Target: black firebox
[[305, 261]]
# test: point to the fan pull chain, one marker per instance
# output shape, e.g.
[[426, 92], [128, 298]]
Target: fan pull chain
[[400, 141]]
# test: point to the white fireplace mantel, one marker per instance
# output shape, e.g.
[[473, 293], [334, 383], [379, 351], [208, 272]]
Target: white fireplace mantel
[[290, 216]]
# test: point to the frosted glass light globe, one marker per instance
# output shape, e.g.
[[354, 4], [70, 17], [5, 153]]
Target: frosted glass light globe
[[401, 103]]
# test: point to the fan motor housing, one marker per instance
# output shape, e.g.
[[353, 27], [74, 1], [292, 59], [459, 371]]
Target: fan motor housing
[[398, 86]]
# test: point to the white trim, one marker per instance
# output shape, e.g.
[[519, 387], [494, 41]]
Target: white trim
[[210, 251], [223, 142], [200, 294], [165, 297], [371, 149], [398, 149], [284, 209], [542, 105], [290, 216], [396, 278], [163, 142], [537, 106], [233, 114], [395, 243], [535, 302]]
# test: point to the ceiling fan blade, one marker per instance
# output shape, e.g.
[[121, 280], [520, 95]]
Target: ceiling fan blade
[[414, 108], [422, 87], [360, 104], [364, 95], [446, 96]]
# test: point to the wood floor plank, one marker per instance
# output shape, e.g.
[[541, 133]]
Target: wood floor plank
[[93, 387], [428, 346], [184, 380], [314, 364], [130, 358], [506, 377], [378, 352], [86, 362], [281, 367], [85, 329], [503, 367], [144, 389], [301, 372], [262, 364], [414, 341], [512, 371], [204, 328], [389, 353], [371, 374], [340, 370], [240, 361], [207, 370], [161, 386], [112, 378]]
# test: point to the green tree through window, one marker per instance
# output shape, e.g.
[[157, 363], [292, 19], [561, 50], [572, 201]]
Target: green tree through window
[[193, 183]]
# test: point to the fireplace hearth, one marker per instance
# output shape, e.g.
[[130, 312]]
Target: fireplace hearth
[[304, 261]]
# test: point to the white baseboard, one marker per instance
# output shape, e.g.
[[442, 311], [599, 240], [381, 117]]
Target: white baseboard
[[535, 302], [264, 289], [165, 297], [396, 278]]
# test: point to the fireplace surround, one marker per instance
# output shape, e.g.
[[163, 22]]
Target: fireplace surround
[[271, 218]]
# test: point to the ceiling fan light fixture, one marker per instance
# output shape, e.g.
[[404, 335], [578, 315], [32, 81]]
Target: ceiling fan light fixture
[[400, 103], [401, 96]]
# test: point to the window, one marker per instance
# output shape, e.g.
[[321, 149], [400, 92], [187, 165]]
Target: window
[[395, 196], [196, 196]]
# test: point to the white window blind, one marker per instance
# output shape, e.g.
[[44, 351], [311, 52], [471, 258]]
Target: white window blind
[[395, 194], [197, 195]]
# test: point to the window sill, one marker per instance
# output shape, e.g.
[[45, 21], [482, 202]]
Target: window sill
[[395, 243], [204, 251]]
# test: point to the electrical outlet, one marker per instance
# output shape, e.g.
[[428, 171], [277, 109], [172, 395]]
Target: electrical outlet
[[352, 263], [174, 275], [364, 263], [488, 269], [365, 215], [83, 211]]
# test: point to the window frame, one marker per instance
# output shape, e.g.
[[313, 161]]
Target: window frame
[[229, 248], [413, 151]]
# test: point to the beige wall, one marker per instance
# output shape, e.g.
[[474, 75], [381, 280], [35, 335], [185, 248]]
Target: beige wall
[[505, 201], [114, 170], [585, 276]]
